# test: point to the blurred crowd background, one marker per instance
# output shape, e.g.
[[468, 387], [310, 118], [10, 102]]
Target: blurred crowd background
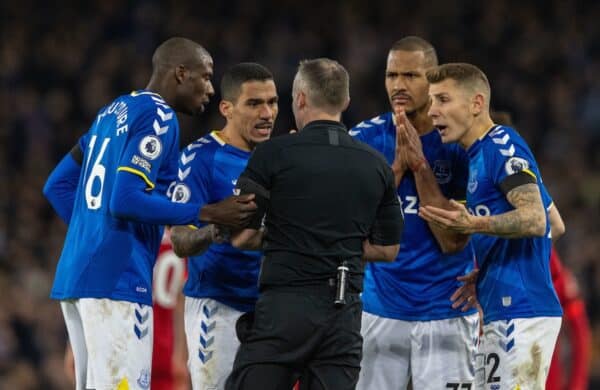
[[61, 61]]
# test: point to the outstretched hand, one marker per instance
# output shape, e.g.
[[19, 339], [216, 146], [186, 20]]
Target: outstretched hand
[[457, 219]]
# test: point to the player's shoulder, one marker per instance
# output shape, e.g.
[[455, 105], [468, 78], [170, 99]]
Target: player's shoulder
[[371, 126], [503, 135], [151, 107], [203, 149], [503, 141]]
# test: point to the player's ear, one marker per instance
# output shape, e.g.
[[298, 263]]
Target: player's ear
[[180, 73], [226, 108], [478, 103]]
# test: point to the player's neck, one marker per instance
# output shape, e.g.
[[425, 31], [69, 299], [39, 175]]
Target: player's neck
[[159, 86], [481, 125], [233, 138]]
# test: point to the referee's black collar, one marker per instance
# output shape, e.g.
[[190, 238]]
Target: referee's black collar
[[323, 123]]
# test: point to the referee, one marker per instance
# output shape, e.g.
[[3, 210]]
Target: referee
[[329, 201]]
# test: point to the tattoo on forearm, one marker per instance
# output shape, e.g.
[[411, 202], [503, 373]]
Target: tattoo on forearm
[[528, 218], [189, 242]]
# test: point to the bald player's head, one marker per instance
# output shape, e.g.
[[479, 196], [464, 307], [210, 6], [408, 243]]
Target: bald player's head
[[178, 51], [181, 74]]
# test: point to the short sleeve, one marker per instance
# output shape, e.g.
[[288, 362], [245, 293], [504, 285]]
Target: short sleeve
[[388, 225], [511, 162], [194, 176], [150, 143]]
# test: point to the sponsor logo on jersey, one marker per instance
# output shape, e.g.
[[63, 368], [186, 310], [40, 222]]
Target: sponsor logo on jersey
[[515, 164], [181, 193], [144, 379], [472, 185], [142, 163], [150, 147], [442, 171]]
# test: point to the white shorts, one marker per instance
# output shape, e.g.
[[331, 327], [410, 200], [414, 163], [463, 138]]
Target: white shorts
[[211, 340], [111, 342], [516, 354], [436, 354]]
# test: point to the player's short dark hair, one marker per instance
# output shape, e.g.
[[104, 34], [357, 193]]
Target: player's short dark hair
[[326, 83], [178, 51], [234, 77], [414, 43], [466, 75]]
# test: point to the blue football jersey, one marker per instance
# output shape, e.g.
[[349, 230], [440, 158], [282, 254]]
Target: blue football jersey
[[104, 256], [514, 279], [418, 284], [208, 172]]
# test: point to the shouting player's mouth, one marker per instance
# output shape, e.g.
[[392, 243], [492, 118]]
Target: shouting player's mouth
[[264, 129]]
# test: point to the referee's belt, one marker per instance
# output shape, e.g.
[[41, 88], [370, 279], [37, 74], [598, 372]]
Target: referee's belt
[[321, 286]]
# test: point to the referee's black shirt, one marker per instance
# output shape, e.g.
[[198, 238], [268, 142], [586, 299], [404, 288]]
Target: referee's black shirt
[[323, 193]]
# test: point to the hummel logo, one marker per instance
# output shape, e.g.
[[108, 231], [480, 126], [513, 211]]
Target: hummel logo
[[158, 129], [183, 174], [164, 116]]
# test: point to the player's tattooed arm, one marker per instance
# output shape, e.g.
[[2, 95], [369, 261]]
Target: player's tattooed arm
[[188, 241], [527, 219]]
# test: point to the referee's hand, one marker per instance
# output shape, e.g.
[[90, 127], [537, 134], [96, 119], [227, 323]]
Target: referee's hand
[[234, 212]]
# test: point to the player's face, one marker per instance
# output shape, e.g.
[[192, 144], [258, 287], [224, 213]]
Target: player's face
[[405, 80], [197, 88], [450, 110], [255, 110]]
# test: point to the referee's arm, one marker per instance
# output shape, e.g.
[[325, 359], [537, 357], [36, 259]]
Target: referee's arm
[[383, 243]]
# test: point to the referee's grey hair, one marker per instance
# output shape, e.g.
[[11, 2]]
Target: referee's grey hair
[[325, 83]]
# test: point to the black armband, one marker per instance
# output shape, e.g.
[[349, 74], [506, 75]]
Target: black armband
[[518, 179]]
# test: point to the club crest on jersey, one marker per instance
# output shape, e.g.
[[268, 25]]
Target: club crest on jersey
[[442, 171], [515, 164], [150, 147], [181, 193], [472, 185], [144, 379]]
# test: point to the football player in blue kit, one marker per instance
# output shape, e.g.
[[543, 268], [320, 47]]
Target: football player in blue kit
[[223, 281], [510, 228], [111, 189], [411, 331]]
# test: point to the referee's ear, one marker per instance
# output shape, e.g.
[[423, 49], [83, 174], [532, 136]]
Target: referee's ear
[[345, 106]]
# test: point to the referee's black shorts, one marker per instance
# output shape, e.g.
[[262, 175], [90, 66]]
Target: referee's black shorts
[[299, 332]]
